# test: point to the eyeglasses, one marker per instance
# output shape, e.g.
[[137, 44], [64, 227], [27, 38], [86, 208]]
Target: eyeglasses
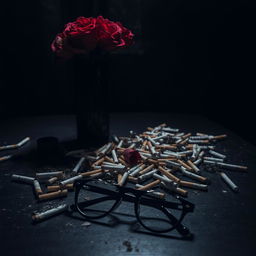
[[95, 200]]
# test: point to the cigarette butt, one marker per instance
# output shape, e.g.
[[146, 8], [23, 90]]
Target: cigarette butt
[[147, 175], [49, 213], [99, 150], [228, 181], [70, 180], [150, 185], [150, 128], [213, 159], [232, 166], [194, 168], [184, 165], [147, 169], [181, 191], [175, 189], [133, 179], [78, 166], [163, 179], [52, 180], [186, 136], [37, 187], [133, 145], [5, 158], [122, 162], [119, 177], [108, 159], [193, 185], [123, 179], [113, 152], [152, 161], [99, 162], [166, 159], [194, 176], [85, 174], [216, 154], [46, 175], [219, 137], [137, 170], [112, 145], [168, 174], [201, 134], [21, 178], [144, 151], [166, 146], [162, 164], [9, 147], [52, 195], [23, 142], [58, 187], [157, 194], [149, 144], [198, 161], [198, 141], [120, 144], [183, 141]]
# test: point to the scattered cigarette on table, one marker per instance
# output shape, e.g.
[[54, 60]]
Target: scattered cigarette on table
[[49, 213], [14, 146], [4, 158], [228, 181]]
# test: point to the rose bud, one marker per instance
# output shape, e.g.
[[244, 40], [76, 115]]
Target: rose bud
[[131, 156]]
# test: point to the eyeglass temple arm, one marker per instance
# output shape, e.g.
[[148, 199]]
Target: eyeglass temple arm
[[93, 201]]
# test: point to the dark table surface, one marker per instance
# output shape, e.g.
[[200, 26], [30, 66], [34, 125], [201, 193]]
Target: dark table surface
[[223, 222]]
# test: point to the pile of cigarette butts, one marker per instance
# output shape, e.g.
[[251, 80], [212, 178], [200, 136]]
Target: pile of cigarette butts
[[167, 156]]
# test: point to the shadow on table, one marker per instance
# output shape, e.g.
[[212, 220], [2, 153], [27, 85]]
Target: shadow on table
[[113, 220]]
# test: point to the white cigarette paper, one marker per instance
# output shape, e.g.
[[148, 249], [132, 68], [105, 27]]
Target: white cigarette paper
[[124, 177], [214, 153], [37, 187], [25, 179], [23, 142], [46, 175], [78, 166], [113, 152], [49, 213], [70, 180], [8, 147], [5, 158], [228, 181]]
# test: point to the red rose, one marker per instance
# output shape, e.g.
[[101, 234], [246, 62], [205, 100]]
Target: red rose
[[131, 156], [78, 37], [85, 34], [112, 35]]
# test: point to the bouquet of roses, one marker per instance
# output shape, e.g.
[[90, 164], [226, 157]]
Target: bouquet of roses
[[86, 34]]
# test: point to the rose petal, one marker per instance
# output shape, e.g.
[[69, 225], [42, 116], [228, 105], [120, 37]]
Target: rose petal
[[131, 156]]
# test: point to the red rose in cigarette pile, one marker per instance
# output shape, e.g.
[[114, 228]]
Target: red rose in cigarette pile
[[86, 34], [131, 156]]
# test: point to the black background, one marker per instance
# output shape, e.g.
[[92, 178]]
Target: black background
[[188, 57]]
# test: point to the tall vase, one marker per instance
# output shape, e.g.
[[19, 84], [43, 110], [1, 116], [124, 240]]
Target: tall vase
[[92, 106]]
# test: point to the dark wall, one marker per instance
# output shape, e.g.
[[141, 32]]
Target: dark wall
[[189, 56]]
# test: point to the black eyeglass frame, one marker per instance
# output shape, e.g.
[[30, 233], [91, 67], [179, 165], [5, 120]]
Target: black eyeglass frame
[[124, 194]]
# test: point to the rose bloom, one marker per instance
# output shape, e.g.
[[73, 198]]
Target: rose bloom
[[78, 37], [85, 34], [112, 35], [131, 156]]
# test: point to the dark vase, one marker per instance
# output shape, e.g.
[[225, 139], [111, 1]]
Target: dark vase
[[92, 106]]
